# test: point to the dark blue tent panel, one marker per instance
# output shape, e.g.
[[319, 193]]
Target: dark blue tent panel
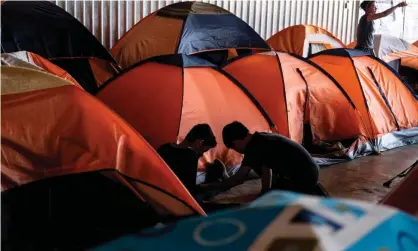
[[204, 32], [181, 60], [341, 52]]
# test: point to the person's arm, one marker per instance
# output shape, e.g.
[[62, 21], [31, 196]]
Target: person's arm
[[386, 12], [266, 179], [234, 180]]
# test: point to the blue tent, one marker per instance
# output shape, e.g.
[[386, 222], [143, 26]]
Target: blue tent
[[281, 221]]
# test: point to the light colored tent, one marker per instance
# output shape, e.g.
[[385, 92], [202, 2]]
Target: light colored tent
[[304, 40]]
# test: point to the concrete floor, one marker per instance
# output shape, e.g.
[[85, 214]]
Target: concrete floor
[[358, 179], [363, 178]]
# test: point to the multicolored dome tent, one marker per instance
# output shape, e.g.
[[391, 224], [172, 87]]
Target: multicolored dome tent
[[283, 221], [188, 28], [44, 28], [48, 130], [164, 107], [304, 40], [387, 106], [303, 101], [33, 61]]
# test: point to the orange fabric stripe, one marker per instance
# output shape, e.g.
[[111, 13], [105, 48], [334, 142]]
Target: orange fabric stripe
[[329, 111], [149, 98], [402, 103], [152, 36], [289, 40], [342, 70], [102, 70], [265, 85], [51, 68], [379, 112]]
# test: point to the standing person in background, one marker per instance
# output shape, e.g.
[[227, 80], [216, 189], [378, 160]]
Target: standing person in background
[[365, 28]]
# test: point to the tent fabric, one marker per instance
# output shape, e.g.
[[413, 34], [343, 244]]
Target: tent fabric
[[185, 27], [387, 44], [71, 212], [386, 105], [31, 60], [295, 92], [90, 72], [404, 195], [48, 130], [43, 28], [164, 107], [399, 54], [298, 39], [47, 30]]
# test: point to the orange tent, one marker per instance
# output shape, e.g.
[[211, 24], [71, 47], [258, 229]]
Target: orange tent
[[295, 93], [51, 128], [33, 61], [164, 97], [304, 40], [187, 28], [387, 107], [352, 45]]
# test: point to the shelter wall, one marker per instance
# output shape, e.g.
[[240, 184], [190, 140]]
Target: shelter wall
[[109, 20]]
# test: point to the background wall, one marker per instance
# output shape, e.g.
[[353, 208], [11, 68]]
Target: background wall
[[109, 20]]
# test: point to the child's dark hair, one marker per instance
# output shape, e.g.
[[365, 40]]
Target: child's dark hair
[[202, 132], [234, 131], [365, 4]]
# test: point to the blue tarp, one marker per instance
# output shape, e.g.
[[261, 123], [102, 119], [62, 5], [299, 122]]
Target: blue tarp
[[281, 221]]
